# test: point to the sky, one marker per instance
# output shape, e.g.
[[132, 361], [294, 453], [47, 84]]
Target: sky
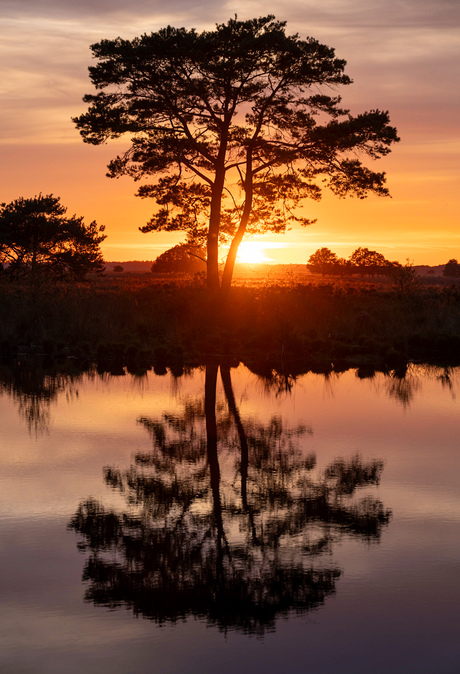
[[403, 56]]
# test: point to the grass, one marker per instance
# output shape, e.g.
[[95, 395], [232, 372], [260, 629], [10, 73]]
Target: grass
[[139, 321]]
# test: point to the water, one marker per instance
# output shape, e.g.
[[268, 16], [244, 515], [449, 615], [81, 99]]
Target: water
[[221, 521]]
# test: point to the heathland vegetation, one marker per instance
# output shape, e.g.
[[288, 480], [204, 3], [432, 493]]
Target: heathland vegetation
[[139, 322]]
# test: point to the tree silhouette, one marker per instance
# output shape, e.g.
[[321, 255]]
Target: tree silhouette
[[225, 520], [36, 235], [451, 268], [237, 124], [322, 261], [369, 262], [183, 258]]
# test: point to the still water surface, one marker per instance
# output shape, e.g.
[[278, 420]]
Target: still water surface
[[219, 521]]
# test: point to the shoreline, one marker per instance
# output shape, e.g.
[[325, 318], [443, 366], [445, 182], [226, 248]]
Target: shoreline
[[144, 323]]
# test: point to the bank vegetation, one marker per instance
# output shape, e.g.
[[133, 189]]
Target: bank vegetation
[[139, 322]]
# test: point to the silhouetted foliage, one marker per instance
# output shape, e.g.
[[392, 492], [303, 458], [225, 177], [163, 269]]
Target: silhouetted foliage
[[452, 268], [404, 277], [362, 261], [342, 267], [118, 269], [369, 262], [238, 535], [322, 261], [37, 236], [184, 258], [238, 124]]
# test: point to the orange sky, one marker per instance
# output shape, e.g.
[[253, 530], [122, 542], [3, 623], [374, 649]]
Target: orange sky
[[403, 56]]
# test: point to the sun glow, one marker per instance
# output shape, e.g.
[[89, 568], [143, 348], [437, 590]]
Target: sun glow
[[253, 252]]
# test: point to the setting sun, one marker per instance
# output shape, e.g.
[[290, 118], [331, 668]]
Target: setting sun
[[253, 252]]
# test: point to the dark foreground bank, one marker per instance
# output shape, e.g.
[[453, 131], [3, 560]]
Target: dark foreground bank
[[143, 323]]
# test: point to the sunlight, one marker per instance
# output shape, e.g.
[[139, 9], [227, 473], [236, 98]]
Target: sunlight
[[253, 252]]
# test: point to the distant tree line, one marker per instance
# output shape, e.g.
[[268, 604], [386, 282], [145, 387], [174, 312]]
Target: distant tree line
[[189, 259], [362, 261], [367, 262]]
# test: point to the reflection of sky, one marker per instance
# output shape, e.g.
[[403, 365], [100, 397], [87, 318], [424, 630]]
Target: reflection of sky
[[402, 55], [397, 596], [99, 426]]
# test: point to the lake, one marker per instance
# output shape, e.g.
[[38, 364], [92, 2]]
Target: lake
[[223, 521]]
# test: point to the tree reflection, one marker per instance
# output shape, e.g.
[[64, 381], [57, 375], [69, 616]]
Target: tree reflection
[[403, 384], [34, 387], [447, 379], [226, 519]]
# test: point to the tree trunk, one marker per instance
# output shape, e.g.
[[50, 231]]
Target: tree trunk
[[229, 268], [233, 252], [211, 447], [231, 402], [212, 262]]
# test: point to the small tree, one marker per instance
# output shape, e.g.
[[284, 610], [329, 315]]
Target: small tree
[[183, 258], [118, 269], [237, 125], [322, 262], [36, 235], [404, 277], [452, 268], [369, 262]]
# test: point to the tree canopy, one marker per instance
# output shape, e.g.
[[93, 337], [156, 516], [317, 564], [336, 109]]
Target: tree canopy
[[238, 125], [369, 262], [452, 268], [36, 235], [362, 261], [183, 258], [323, 261]]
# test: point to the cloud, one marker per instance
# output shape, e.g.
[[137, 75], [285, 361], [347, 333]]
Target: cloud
[[110, 12], [333, 13], [352, 14]]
